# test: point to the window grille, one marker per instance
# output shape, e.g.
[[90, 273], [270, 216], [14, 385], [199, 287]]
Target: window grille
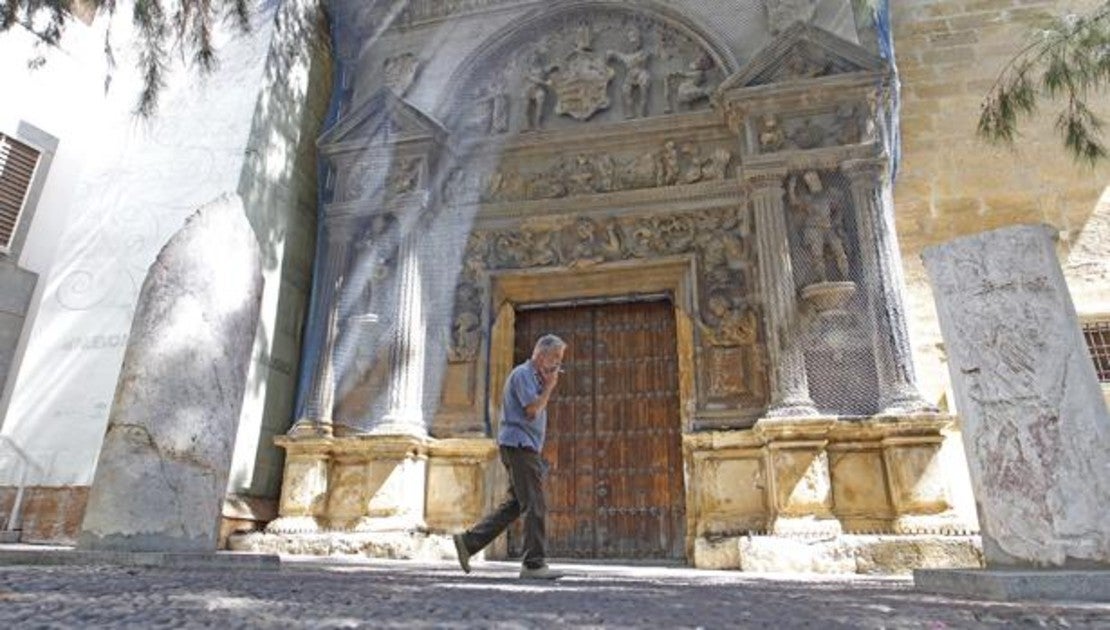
[[17, 169], [1097, 335]]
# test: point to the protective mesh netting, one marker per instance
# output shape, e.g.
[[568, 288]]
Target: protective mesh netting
[[361, 306]]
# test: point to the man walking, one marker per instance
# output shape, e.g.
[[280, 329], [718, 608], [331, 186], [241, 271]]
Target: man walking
[[523, 426]]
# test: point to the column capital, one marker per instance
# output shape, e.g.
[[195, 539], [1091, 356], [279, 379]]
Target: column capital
[[766, 181], [875, 169]]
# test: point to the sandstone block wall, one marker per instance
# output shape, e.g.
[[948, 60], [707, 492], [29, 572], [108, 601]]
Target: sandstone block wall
[[951, 183]]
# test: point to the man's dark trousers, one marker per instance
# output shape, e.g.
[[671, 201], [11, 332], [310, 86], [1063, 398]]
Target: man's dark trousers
[[525, 469]]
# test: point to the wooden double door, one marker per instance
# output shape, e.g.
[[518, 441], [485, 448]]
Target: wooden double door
[[615, 488]]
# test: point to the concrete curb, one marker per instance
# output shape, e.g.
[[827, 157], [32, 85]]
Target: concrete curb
[[14, 555]]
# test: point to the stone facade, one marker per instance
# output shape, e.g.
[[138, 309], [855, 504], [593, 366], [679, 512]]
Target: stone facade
[[595, 151]]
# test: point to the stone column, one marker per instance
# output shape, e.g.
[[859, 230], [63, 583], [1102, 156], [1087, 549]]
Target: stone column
[[406, 349], [317, 418], [789, 385], [882, 262]]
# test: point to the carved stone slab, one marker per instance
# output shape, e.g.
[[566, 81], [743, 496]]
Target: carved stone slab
[[163, 468], [1036, 429]]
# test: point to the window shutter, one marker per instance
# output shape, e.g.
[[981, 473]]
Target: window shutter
[[17, 167]]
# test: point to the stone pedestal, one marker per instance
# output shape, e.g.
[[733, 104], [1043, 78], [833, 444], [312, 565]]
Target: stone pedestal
[[824, 495], [304, 485], [1037, 431], [383, 496], [800, 487], [163, 467]]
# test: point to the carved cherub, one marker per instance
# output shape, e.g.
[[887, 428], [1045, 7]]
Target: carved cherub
[[728, 324], [771, 136]]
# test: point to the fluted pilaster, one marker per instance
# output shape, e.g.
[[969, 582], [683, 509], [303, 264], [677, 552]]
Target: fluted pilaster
[[882, 262], [789, 385], [407, 349]]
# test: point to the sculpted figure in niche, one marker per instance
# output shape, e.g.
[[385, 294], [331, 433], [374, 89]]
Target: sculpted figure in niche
[[688, 87], [637, 78], [728, 324], [820, 229]]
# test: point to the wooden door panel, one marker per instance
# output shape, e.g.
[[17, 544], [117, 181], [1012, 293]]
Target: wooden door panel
[[616, 487]]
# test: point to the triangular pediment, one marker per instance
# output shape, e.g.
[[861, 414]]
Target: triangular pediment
[[803, 51], [384, 118]]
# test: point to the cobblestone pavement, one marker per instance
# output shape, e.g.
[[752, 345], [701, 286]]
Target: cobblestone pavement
[[377, 594]]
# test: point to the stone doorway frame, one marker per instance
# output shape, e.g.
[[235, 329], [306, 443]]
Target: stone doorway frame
[[675, 276]]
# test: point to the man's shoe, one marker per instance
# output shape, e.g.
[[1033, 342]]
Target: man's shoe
[[462, 553], [540, 573]]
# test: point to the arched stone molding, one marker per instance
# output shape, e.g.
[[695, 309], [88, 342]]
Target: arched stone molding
[[574, 61]]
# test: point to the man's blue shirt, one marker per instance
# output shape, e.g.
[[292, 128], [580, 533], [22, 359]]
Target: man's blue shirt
[[522, 389]]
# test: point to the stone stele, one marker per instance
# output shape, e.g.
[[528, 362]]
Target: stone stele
[[1036, 429], [163, 467]]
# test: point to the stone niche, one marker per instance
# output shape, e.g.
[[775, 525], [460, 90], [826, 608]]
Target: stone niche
[[611, 150]]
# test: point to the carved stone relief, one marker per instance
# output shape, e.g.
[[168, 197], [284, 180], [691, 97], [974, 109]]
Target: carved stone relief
[[819, 220], [847, 124], [674, 163], [719, 238], [579, 66], [820, 225], [400, 72]]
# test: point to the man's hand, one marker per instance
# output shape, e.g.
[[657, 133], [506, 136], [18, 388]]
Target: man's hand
[[550, 379]]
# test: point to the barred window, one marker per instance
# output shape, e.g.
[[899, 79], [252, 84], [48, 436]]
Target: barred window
[[1098, 340], [17, 169]]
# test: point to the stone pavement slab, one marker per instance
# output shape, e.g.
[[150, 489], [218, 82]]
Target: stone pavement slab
[[359, 593]]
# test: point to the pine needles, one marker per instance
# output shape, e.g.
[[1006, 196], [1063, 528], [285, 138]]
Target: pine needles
[[1067, 61]]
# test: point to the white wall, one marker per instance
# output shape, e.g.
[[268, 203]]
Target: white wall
[[98, 228]]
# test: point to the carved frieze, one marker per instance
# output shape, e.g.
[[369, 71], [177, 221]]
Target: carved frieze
[[718, 238], [674, 163], [584, 64]]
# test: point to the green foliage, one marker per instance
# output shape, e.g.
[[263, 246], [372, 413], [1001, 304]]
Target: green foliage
[[1068, 61], [163, 27]]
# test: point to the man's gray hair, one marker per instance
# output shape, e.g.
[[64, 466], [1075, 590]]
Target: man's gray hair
[[548, 344]]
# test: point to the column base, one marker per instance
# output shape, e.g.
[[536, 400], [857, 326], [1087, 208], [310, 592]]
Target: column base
[[294, 525], [792, 409], [907, 404], [306, 427]]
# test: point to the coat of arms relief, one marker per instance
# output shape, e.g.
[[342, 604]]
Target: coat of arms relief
[[598, 64]]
